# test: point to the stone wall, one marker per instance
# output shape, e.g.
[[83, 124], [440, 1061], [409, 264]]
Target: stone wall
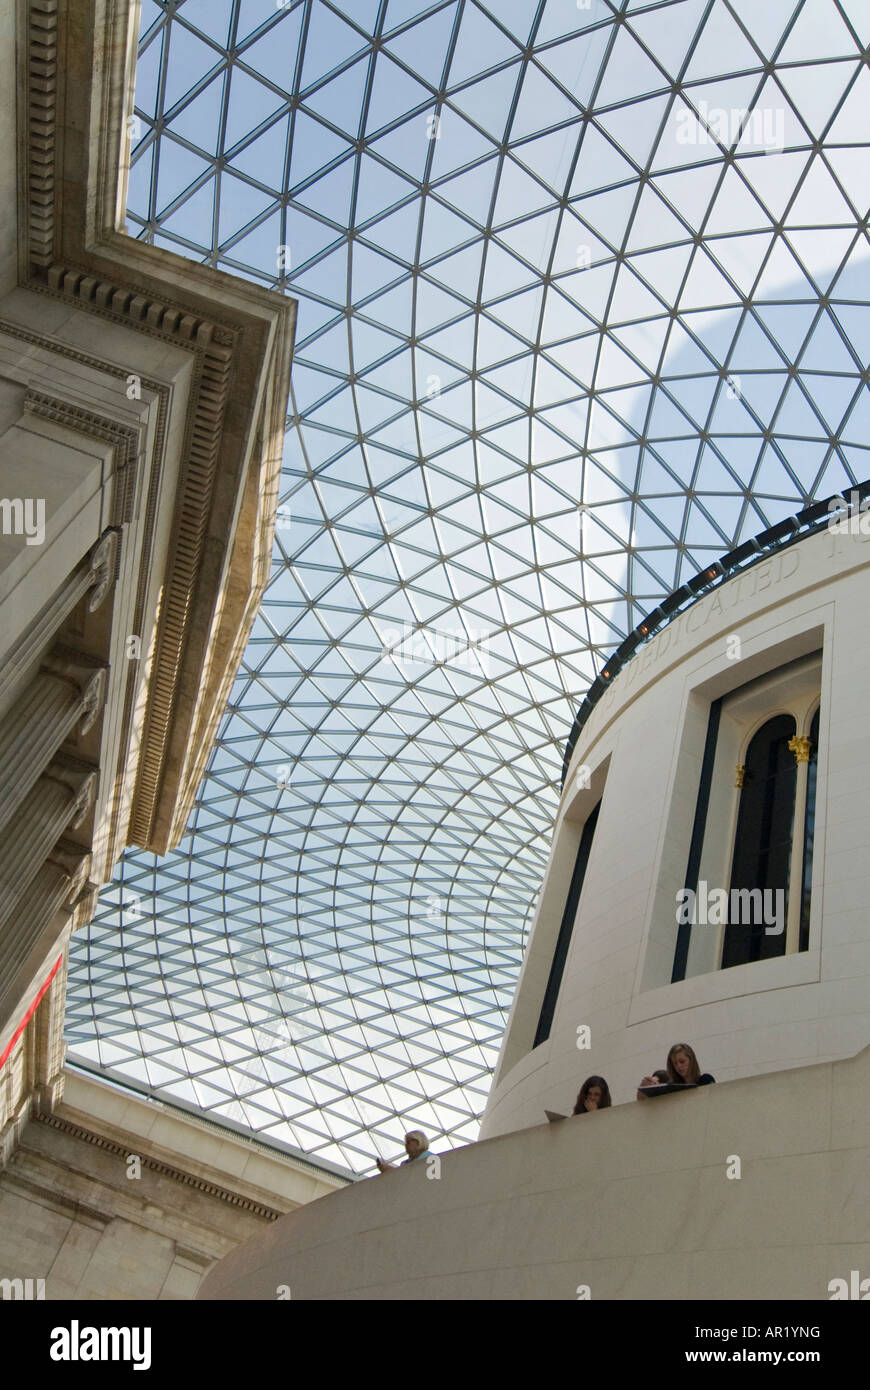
[[641, 752], [112, 1197], [641, 1201]]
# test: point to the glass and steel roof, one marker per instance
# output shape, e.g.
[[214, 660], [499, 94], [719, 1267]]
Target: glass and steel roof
[[583, 303]]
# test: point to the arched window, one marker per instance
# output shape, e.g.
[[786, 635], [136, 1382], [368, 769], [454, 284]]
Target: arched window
[[746, 895], [809, 834], [761, 866]]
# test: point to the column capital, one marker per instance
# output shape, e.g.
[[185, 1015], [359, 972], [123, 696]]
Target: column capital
[[801, 746], [103, 562], [86, 673], [81, 779], [75, 862]]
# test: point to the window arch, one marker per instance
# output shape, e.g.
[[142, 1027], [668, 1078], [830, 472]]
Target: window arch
[[761, 862], [809, 834], [754, 825]]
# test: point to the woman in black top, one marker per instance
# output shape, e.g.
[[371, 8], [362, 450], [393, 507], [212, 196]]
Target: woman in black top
[[683, 1068]]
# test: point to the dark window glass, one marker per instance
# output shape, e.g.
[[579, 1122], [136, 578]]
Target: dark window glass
[[809, 835], [762, 849], [551, 994], [684, 931]]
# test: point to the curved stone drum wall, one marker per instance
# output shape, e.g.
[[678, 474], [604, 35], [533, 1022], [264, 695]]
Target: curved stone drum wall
[[637, 1202], [794, 626]]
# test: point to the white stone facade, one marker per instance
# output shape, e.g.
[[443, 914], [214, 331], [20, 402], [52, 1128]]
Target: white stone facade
[[641, 752], [112, 1196]]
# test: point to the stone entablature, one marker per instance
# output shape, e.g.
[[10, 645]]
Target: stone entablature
[[142, 413], [78, 95], [121, 1197]]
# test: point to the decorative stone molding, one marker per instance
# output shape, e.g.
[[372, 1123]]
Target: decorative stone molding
[[165, 1169], [41, 103], [137, 307], [123, 439], [179, 596]]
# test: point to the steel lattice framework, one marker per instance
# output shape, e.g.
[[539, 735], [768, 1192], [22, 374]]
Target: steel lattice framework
[[582, 304]]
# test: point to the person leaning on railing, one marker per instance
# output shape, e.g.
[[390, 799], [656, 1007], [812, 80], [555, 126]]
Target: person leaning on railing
[[594, 1094], [416, 1146], [683, 1069]]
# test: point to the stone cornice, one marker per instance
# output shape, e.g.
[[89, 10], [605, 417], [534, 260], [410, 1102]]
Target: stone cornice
[[123, 439], [77, 83], [40, 95], [157, 1165]]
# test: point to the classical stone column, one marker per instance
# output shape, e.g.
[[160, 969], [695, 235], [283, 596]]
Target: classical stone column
[[59, 801], [57, 885], [49, 1047], [801, 747], [66, 692], [97, 575]]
